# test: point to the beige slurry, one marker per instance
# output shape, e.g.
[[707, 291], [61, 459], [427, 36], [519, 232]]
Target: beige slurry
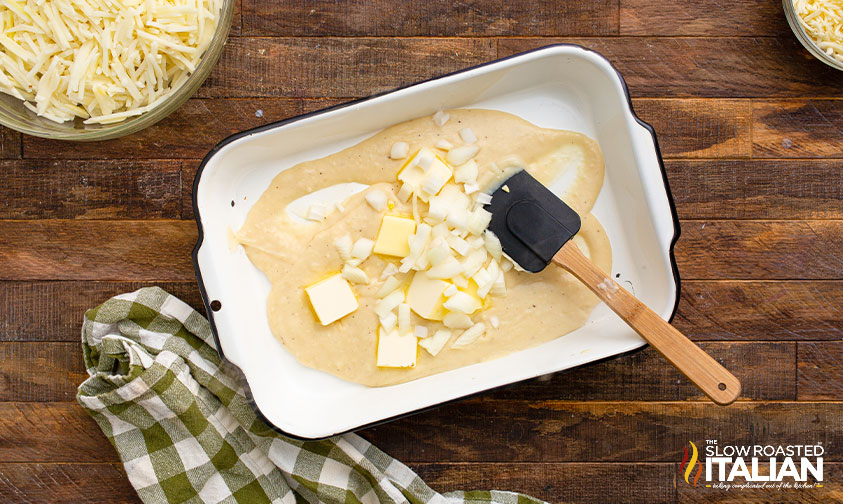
[[537, 307]]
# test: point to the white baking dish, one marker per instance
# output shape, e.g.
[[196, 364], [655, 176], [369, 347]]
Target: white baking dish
[[562, 86]]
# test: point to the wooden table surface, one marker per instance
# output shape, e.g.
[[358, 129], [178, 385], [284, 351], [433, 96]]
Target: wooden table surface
[[751, 129]]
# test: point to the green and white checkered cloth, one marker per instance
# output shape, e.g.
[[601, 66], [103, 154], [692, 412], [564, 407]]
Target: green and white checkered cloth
[[185, 432]]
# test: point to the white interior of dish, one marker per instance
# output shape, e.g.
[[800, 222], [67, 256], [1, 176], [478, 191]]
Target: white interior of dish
[[561, 87]]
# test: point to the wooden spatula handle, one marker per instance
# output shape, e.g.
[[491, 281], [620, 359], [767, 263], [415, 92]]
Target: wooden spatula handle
[[712, 378]]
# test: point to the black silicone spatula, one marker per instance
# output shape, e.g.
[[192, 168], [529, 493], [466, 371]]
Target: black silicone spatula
[[535, 228]]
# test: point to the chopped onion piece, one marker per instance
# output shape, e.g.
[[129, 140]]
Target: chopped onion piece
[[470, 336], [377, 199], [440, 118], [460, 155], [483, 198], [362, 248], [388, 286], [389, 303], [434, 344], [461, 302], [495, 321], [478, 221], [458, 244], [439, 253], [355, 275], [451, 267], [450, 290], [399, 150], [420, 331], [389, 321], [389, 270], [444, 145], [343, 246], [456, 320], [467, 173], [493, 244], [468, 136], [317, 212]]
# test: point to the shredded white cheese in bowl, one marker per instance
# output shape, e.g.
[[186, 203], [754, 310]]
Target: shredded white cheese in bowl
[[819, 26], [90, 64]]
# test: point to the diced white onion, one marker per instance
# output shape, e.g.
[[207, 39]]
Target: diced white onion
[[399, 150], [377, 199]]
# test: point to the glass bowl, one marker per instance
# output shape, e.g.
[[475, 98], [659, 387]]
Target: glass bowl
[[805, 39], [14, 115]]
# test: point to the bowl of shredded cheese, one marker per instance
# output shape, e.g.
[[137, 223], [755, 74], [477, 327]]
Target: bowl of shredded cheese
[[818, 24], [100, 69]]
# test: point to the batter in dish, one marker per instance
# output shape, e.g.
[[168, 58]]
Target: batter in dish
[[536, 307]]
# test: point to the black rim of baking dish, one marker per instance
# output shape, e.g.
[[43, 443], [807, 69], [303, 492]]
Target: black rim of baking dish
[[277, 124]]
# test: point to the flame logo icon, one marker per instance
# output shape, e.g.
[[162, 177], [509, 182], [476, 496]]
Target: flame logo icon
[[687, 466]]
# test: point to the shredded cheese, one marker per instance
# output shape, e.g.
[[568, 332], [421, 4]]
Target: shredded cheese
[[101, 60], [823, 21]]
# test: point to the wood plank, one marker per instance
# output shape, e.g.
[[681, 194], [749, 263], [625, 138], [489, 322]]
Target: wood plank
[[65, 484], [483, 430], [767, 372], [91, 189], [52, 371], [690, 128], [51, 432], [705, 67], [10, 143], [190, 132], [53, 311], [160, 250], [480, 430], [831, 491], [708, 310], [96, 250], [41, 371], [820, 370], [778, 311], [756, 189], [748, 18], [336, 67], [559, 482], [797, 128], [760, 250], [384, 18]]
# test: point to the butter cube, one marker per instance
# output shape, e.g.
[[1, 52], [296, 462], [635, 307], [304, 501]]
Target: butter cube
[[331, 298], [393, 236], [396, 350], [425, 296]]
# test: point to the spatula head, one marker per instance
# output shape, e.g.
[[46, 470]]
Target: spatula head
[[531, 222]]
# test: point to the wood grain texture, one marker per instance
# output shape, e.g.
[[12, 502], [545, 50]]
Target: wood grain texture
[[53, 310], [747, 18], [129, 189], [766, 370], [820, 368], [336, 67], [708, 310], [797, 128], [65, 484], [39, 371], [160, 250], [781, 311], [384, 18], [10, 143], [559, 482], [484, 430], [515, 431], [190, 132], [756, 189], [706, 66], [760, 250], [96, 250], [51, 432], [690, 128]]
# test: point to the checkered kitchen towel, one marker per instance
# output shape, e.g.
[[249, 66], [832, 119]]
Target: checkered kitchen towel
[[180, 421]]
